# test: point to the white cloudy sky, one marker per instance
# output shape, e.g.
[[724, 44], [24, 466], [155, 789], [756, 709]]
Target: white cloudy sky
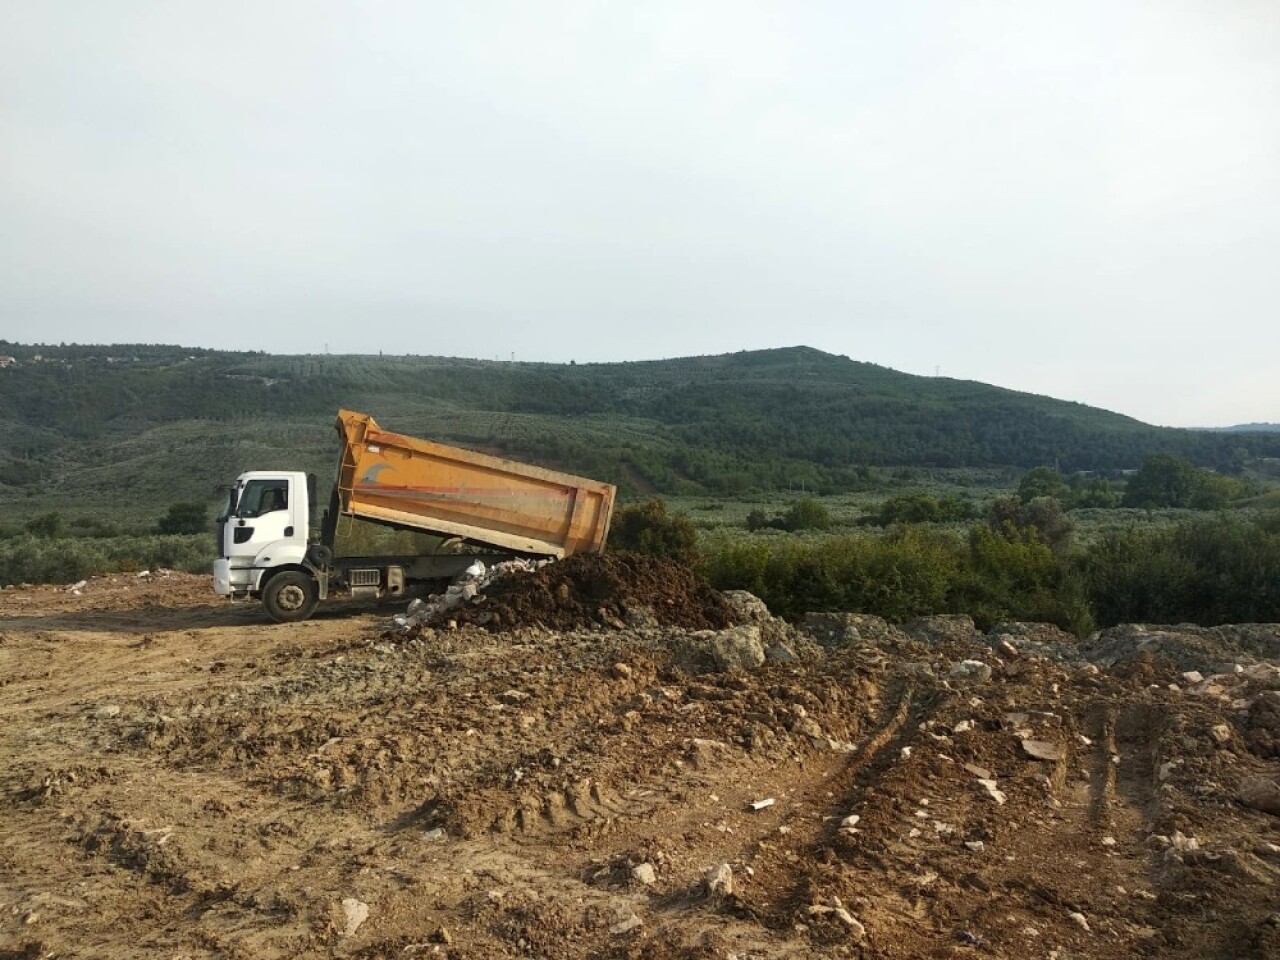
[[1079, 199]]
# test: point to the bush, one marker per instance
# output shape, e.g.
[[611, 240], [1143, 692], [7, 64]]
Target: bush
[[919, 508], [185, 517], [802, 515], [648, 528], [45, 525], [30, 559]]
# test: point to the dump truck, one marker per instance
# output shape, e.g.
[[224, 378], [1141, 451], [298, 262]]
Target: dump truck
[[271, 548]]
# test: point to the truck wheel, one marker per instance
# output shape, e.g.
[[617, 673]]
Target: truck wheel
[[290, 596]]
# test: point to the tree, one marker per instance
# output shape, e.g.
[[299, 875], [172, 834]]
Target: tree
[[1041, 482], [46, 525], [185, 517], [1163, 481]]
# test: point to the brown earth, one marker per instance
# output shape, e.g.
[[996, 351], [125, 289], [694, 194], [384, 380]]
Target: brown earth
[[600, 589], [182, 779]]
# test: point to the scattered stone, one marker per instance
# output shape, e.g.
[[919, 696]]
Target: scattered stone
[[1044, 750], [762, 804], [645, 873], [849, 920], [1193, 676], [1080, 921], [719, 880], [850, 821], [982, 773], [621, 671], [107, 711], [1221, 732], [626, 926], [977, 846], [992, 791], [442, 935], [355, 912]]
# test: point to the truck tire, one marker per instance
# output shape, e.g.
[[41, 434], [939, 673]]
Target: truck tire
[[290, 596]]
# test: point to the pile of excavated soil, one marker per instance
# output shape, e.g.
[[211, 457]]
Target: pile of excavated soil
[[590, 590]]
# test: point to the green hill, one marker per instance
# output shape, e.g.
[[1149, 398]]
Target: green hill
[[139, 426]]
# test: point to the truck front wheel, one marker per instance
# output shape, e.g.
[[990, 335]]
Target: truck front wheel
[[290, 596]]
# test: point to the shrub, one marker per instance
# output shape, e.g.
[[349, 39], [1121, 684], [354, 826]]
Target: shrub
[[648, 528], [185, 517]]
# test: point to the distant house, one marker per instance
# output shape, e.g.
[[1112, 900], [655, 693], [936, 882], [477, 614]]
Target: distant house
[[8, 361]]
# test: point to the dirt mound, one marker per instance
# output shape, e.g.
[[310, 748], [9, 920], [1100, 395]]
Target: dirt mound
[[611, 589]]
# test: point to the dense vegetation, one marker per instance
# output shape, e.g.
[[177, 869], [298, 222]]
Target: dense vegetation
[[134, 428], [1208, 571]]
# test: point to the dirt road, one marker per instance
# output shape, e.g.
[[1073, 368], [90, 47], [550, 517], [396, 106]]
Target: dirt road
[[182, 779]]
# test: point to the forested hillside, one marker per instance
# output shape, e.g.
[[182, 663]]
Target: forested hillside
[[132, 424]]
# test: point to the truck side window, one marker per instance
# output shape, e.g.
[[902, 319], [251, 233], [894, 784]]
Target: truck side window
[[263, 496]]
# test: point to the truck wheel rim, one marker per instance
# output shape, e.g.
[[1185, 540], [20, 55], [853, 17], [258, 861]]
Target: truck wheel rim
[[292, 597]]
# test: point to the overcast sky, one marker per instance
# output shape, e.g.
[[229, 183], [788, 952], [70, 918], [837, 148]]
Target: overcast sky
[[1077, 199]]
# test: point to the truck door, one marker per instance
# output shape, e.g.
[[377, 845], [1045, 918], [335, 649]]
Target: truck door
[[263, 515]]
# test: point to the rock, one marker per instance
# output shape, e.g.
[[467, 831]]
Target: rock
[[626, 926], [977, 846], [107, 711], [645, 873], [982, 773], [942, 628], [355, 912], [738, 649], [836, 630], [442, 935], [621, 671], [747, 607], [719, 880], [1260, 793], [1221, 733], [762, 804], [1080, 921], [974, 670], [780, 653], [808, 727], [1192, 676], [1044, 750], [849, 920], [993, 791]]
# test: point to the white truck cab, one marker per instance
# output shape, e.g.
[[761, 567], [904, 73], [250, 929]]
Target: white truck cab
[[264, 532]]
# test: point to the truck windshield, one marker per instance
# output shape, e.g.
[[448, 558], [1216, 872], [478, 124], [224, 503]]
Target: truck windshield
[[263, 496]]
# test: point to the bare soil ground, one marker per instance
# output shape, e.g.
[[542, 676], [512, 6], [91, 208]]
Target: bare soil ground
[[182, 779]]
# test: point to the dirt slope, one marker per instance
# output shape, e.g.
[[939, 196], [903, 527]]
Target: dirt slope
[[183, 779]]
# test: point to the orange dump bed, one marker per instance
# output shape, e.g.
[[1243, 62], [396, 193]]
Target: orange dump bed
[[430, 486]]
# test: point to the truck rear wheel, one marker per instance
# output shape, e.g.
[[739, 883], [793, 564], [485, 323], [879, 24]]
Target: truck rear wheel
[[290, 596]]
